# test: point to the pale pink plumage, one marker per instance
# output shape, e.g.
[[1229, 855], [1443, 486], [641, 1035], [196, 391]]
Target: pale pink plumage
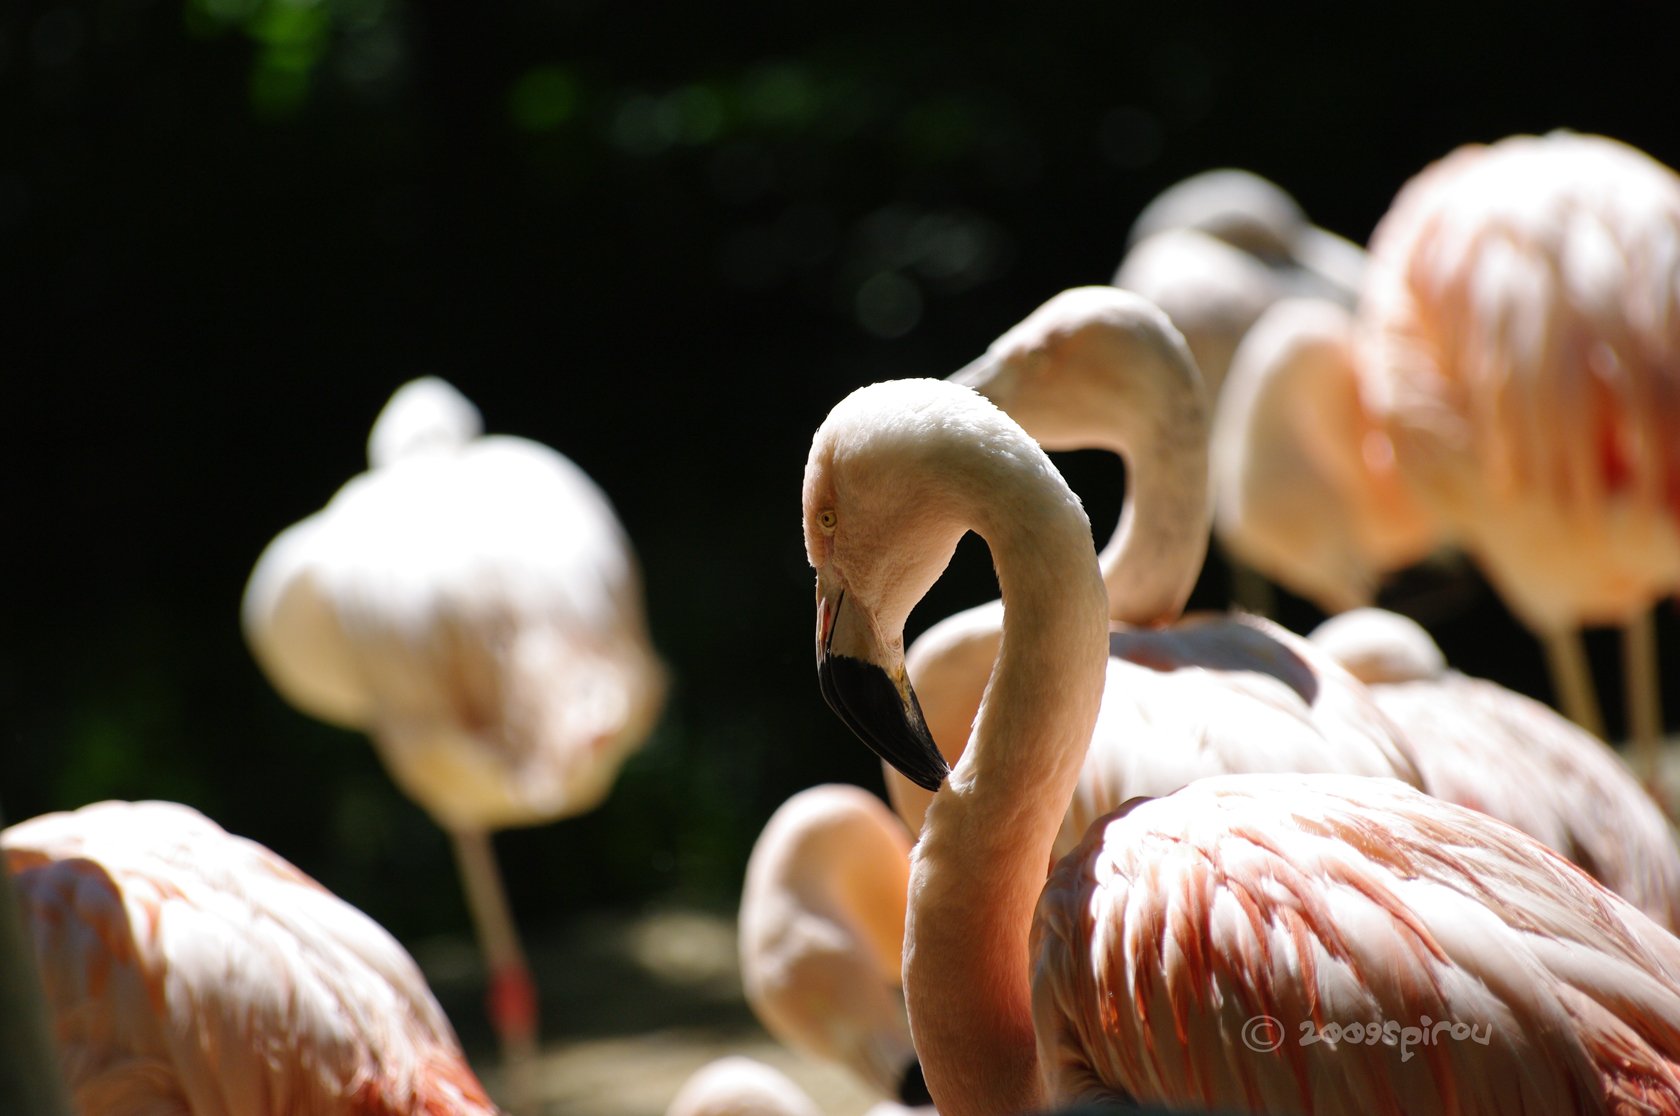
[[738, 1086], [1523, 355], [190, 972], [1481, 745], [822, 932], [1316, 898], [1305, 487]]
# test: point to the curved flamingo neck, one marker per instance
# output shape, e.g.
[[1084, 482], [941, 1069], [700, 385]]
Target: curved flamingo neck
[[978, 870], [1151, 562]]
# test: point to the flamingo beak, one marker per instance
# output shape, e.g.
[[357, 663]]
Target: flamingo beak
[[989, 374], [864, 682]]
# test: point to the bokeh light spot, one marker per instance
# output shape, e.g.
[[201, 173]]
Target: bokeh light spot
[[888, 305], [543, 98]]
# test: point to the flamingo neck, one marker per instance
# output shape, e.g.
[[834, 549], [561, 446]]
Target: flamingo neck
[[1152, 561], [978, 870]]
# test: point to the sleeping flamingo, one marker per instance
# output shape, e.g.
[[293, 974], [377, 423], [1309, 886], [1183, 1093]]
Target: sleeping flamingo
[[1096, 367], [1257, 907], [822, 935], [474, 606], [1483, 746], [191, 971]]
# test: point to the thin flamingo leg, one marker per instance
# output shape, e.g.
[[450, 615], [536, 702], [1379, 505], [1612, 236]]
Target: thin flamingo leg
[[512, 998], [1566, 659]]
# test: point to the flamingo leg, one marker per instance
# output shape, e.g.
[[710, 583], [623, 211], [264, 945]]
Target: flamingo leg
[[1644, 699], [1572, 682], [512, 999]]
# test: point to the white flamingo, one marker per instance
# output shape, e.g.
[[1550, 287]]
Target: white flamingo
[[191, 971], [1298, 900], [473, 605]]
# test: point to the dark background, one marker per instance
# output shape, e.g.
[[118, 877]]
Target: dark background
[[662, 239]]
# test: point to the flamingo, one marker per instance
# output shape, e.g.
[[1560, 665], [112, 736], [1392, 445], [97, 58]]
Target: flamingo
[[1306, 489], [1242, 907], [474, 606], [192, 971], [1096, 367], [1519, 354], [1216, 249], [822, 935], [1483, 746]]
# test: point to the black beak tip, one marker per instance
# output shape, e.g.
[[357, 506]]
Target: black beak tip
[[864, 697]]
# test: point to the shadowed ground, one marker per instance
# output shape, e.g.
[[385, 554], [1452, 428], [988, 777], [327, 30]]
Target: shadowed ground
[[631, 1007]]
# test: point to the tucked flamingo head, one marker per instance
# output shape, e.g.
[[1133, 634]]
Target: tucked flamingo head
[[897, 472], [423, 414], [1377, 646]]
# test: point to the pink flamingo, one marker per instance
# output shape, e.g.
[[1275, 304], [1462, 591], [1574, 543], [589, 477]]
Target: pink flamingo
[[191, 971], [1192, 945]]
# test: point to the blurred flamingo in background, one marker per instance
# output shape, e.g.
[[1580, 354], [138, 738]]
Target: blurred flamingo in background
[[1179, 922], [1483, 746], [1216, 249], [474, 606], [822, 935], [1306, 490], [1096, 367], [1516, 369], [738, 1086], [191, 971], [1522, 352]]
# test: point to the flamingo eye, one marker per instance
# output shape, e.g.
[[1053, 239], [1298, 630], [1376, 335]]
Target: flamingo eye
[[826, 519]]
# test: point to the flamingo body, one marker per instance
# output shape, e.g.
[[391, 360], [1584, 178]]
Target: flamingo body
[[1311, 901], [1304, 483], [473, 606], [1523, 354], [190, 972], [822, 934], [1481, 745]]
